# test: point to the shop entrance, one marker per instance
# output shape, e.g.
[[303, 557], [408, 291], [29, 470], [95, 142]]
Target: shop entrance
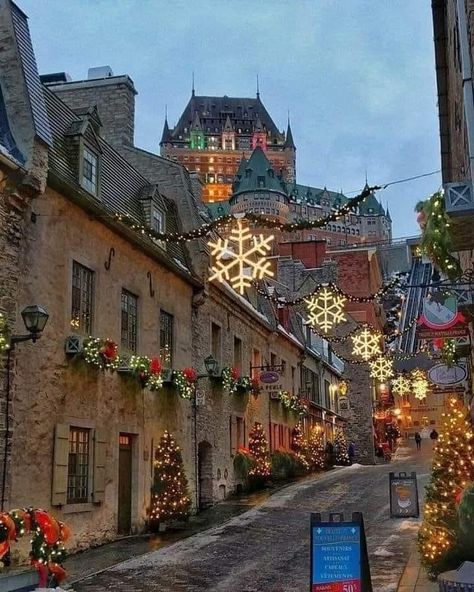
[[205, 475], [125, 484]]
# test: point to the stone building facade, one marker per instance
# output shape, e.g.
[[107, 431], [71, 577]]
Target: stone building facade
[[72, 193]]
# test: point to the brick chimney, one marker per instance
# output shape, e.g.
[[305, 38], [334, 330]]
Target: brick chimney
[[310, 253], [284, 317], [114, 97]]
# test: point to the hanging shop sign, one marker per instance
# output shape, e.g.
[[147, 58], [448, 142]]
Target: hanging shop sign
[[269, 377], [443, 375], [441, 317], [403, 495], [339, 558]]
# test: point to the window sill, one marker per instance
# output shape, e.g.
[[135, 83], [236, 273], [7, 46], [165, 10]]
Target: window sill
[[77, 508]]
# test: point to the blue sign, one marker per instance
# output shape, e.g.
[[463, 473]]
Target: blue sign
[[336, 557]]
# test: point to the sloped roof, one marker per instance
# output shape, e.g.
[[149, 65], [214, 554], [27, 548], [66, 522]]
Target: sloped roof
[[258, 175], [6, 137], [371, 207], [289, 142], [213, 112], [314, 195]]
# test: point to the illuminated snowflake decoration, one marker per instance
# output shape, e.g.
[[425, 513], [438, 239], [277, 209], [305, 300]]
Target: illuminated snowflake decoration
[[366, 344], [381, 368], [325, 309], [419, 383], [240, 259], [401, 385]]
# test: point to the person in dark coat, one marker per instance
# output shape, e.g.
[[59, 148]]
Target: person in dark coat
[[351, 452], [418, 440], [434, 437]]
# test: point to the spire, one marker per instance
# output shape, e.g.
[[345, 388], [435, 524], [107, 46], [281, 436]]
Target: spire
[[166, 135], [228, 125], [258, 88], [258, 124], [193, 89], [289, 143], [388, 214]]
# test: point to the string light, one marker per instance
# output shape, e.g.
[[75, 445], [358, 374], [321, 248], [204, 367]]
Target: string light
[[4, 334], [258, 447], [325, 309], [381, 368], [366, 344], [401, 385]]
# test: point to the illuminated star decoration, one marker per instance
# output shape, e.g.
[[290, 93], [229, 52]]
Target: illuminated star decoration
[[366, 344], [419, 384], [325, 309], [240, 259], [381, 368], [401, 385]]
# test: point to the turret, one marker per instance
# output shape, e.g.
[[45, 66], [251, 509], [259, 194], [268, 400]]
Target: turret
[[228, 135], [290, 150], [259, 136], [197, 139]]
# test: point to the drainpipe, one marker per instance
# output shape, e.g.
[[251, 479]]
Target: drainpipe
[[466, 72]]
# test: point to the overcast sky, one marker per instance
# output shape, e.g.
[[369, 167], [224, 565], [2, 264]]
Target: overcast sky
[[358, 76]]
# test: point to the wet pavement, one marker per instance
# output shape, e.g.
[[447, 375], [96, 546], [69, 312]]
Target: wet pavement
[[266, 548]]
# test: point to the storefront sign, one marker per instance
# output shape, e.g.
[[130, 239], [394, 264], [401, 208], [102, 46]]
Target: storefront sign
[[339, 559], [441, 317], [343, 403], [403, 495], [269, 377], [443, 375]]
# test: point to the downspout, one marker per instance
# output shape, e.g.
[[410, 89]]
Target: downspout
[[466, 72]]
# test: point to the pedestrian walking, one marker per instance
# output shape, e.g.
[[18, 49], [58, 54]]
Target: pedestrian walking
[[351, 452], [418, 440], [434, 437], [329, 450]]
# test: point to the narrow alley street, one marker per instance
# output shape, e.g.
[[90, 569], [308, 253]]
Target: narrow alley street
[[267, 548]]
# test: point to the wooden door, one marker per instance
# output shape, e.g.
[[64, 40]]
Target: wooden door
[[125, 484]]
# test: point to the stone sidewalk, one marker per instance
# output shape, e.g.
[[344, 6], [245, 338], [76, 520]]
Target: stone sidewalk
[[414, 578]]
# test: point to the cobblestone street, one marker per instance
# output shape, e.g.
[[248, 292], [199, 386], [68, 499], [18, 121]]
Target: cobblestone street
[[267, 548]]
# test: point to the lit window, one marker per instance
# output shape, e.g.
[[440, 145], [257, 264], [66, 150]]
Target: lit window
[[78, 466], [89, 171], [166, 338], [82, 298]]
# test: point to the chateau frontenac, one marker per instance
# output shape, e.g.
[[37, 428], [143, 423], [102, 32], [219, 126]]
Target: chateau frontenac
[[247, 164]]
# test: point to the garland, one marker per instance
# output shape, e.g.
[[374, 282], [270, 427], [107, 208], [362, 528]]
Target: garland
[[4, 334], [390, 338], [437, 240], [233, 382], [102, 353], [184, 381], [147, 371], [328, 285], [48, 536], [258, 219], [292, 403]]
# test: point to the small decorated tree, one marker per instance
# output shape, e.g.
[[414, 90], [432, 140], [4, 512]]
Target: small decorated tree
[[440, 539], [340, 445], [299, 445], [258, 447], [170, 500], [315, 449]]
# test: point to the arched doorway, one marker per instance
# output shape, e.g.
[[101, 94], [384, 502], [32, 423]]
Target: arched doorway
[[205, 475]]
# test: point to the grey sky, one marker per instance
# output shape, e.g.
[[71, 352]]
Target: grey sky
[[357, 75]]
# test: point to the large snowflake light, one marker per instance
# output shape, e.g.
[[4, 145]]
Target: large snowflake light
[[419, 384], [381, 368], [240, 259], [325, 309], [401, 385], [366, 344]]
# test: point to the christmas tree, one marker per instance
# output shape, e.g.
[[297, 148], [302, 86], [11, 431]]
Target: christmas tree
[[440, 538], [340, 446], [258, 447], [170, 500], [299, 445], [315, 449]]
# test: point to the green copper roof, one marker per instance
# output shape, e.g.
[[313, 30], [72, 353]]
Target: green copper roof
[[315, 195], [371, 207], [258, 175], [218, 209]]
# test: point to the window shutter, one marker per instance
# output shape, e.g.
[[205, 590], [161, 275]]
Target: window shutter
[[60, 465], [100, 443], [233, 434]]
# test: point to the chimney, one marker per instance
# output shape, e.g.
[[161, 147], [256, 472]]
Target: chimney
[[284, 317], [114, 97]]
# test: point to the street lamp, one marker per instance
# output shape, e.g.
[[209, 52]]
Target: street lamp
[[211, 365], [35, 318]]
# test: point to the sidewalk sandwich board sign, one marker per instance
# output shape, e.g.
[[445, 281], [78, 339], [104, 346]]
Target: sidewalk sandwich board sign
[[339, 558], [403, 495]]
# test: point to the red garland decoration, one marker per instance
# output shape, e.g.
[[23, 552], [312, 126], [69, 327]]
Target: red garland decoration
[[155, 366], [235, 373], [190, 374], [438, 342]]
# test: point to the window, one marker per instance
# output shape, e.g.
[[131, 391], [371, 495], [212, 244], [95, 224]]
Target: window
[[283, 367], [216, 344], [89, 171], [82, 298], [240, 429], [78, 466], [256, 363], [166, 338], [238, 353], [129, 320], [327, 397], [273, 360], [158, 221], [293, 373]]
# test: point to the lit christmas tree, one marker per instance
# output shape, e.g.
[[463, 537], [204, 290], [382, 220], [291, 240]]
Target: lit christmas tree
[[258, 447], [439, 539], [315, 449], [299, 445], [340, 446], [170, 500]]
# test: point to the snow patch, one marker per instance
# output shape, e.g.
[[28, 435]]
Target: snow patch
[[409, 525], [383, 552]]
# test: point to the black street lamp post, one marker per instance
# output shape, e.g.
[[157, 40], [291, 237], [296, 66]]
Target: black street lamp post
[[35, 318], [212, 370]]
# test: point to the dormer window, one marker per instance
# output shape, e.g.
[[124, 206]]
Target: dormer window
[[261, 181], [89, 178], [158, 221]]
